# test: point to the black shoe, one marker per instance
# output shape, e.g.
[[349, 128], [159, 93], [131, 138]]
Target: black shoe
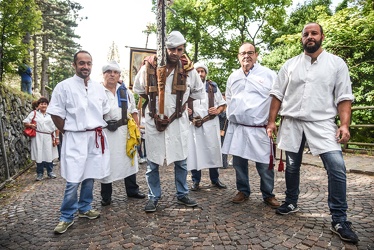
[[344, 230], [287, 208], [219, 184], [106, 202], [137, 196], [195, 186], [187, 201], [151, 206]]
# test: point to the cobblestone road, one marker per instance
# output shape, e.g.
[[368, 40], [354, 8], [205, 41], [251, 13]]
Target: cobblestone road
[[30, 211]]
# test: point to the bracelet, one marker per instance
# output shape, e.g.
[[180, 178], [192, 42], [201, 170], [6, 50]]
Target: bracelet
[[57, 137]]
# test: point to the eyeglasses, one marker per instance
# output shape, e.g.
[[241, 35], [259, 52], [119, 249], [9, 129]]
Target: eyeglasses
[[250, 53], [173, 49]]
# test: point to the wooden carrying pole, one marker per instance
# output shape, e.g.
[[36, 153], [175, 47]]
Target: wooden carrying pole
[[161, 55]]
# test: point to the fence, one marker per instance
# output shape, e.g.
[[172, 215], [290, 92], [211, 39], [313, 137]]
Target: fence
[[361, 147]]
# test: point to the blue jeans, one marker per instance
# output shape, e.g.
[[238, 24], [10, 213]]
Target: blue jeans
[[71, 204], [337, 185], [153, 179], [242, 178], [40, 167], [26, 87], [213, 174]]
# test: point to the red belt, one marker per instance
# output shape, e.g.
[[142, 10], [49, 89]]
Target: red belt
[[52, 134], [99, 132]]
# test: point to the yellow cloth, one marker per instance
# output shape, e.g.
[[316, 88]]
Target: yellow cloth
[[133, 138]]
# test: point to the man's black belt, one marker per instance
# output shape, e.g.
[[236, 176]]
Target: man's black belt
[[113, 125]]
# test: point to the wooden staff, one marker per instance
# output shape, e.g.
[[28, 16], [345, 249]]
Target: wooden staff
[[161, 55]]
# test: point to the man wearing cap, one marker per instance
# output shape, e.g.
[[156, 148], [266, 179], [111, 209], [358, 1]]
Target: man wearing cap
[[248, 102], [77, 108], [121, 165], [171, 143], [204, 143]]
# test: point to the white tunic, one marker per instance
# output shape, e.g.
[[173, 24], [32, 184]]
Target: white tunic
[[170, 144], [204, 143], [42, 145], [310, 94], [120, 163], [82, 109], [248, 103]]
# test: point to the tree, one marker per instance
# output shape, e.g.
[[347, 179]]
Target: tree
[[18, 19], [55, 42], [113, 54], [217, 28]]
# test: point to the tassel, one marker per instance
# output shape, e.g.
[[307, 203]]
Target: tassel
[[281, 165], [271, 163]]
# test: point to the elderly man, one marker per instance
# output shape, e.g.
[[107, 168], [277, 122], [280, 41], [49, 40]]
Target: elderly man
[[311, 89], [77, 108], [167, 134], [248, 102], [204, 143], [121, 165]]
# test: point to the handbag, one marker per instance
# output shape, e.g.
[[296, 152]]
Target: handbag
[[30, 132]]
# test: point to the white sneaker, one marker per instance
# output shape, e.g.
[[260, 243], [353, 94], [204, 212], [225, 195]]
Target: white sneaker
[[142, 160]]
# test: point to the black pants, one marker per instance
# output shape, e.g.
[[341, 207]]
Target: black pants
[[131, 186]]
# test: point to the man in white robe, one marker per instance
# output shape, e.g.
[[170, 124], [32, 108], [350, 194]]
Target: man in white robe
[[170, 144], [248, 102], [311, 89], [121, 165], [77, 108], [204, 142]]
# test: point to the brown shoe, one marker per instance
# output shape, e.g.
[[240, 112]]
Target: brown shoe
[[272, 202], [240, 197]]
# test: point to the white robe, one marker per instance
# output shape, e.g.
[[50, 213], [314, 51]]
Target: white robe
[[82, 109], [42, 145], [204, 143], [310, 94], [170, 144], [248, 103], [120, 163]]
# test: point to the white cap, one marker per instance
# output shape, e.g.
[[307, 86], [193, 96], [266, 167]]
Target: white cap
[[175, 39], [112, 65], [201, 65]]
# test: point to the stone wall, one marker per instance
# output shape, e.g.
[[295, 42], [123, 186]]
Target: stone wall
[[14, 107]]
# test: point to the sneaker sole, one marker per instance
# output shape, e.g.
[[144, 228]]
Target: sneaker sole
[[187, 205], [292, 211], [150, 210], [88, 217], [341, 237], [56, 232]]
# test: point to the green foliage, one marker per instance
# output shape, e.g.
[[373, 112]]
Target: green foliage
[[18, 19], [217, 28]]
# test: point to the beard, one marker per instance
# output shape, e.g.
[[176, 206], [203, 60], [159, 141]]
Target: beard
[[314, 48]]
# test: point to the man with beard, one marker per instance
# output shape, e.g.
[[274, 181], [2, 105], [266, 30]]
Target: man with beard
[[311, 89], [248, 102], [77, 108], [170, 143]]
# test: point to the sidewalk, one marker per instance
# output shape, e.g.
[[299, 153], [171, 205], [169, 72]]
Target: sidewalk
[[362, 164], [29, 211]]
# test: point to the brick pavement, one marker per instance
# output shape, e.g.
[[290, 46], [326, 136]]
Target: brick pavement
[[30, 210]]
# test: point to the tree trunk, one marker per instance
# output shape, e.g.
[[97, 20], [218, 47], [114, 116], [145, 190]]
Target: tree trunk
[[45, 64], [35, 62]]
